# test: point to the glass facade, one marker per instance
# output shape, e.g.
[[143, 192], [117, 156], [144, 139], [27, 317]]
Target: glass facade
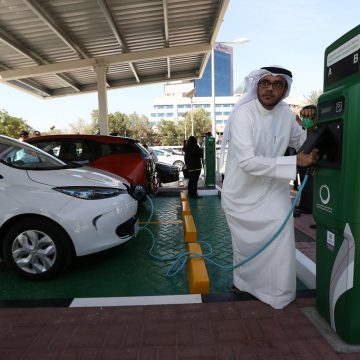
[[223, 74], [173, 107]]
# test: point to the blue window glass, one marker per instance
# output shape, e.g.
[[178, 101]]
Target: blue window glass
[[223, 76]]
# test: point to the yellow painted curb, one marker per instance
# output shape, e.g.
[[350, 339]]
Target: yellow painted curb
[[185, 208], [198, 277], [183, 196], [199, 282], [190, 233]]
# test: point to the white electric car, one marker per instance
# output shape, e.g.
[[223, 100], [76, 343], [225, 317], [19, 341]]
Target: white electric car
[[51, 211]]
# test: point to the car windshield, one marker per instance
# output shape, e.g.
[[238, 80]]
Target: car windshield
[[21, 155]]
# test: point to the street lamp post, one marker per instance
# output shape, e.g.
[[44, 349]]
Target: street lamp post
[[238, 41], [190, 94], [213, 119]]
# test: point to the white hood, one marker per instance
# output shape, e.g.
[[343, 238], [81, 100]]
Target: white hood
[[84, 176]]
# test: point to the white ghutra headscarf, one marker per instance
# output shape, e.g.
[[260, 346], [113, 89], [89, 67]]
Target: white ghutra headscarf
[[251, 82]]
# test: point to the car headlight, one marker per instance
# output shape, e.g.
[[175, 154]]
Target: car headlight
[[90, 193]]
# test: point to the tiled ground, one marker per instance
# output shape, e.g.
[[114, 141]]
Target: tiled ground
[[236, 330]]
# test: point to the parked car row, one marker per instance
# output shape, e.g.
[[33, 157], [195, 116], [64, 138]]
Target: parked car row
[[169, 157], [166, 173], [122, 156], [52, 211], [55, 185]]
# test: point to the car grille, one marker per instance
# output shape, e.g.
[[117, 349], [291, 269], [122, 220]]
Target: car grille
[[127, 228]]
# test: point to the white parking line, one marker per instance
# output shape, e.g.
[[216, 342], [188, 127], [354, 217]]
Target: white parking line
[[136, 300]]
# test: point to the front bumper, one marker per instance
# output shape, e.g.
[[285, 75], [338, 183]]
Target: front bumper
[[128, 229], [96, 225]]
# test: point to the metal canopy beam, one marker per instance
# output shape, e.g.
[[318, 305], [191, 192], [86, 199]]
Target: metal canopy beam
[[65, 66], [19, 47], [166, 31], [114, 28], [28, 84], [46, 17]]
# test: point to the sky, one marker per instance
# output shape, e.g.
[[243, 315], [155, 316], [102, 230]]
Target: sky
[[290, 33]]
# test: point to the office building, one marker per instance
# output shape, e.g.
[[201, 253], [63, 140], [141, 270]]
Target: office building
[[223, 73], [175, 108], [182, 96]]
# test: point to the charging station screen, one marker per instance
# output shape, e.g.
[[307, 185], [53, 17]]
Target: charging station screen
[[331, 109], [330, 145]]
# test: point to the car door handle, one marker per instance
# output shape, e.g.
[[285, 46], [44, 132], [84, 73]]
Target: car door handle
[[1, 177]]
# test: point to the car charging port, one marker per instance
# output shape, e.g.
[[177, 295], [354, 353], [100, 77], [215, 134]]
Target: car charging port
[[137, 192]]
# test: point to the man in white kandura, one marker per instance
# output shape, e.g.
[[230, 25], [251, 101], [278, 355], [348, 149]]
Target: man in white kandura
[[255, 194]]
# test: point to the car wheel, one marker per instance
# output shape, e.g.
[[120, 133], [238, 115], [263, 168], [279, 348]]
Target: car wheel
[[179, 164], [37, 249]]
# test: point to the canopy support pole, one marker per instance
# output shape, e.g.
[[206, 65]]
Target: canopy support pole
[[100, 71]]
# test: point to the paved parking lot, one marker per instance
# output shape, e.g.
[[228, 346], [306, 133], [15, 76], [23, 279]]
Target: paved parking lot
[[240, 329], [129, 270]]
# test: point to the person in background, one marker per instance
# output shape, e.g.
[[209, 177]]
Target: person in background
[[290, 151], [255, 194], [24, 135], [36, 133], [183, 148], [306, 198], [193, 162]]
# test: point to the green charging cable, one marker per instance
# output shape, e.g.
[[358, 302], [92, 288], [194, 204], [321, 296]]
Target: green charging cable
[[180, 260]]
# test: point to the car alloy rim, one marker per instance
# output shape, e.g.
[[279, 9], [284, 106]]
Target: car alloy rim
[[179, 165], [34, 251]]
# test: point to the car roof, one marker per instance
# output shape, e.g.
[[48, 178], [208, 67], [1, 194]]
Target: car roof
[[98, 138]]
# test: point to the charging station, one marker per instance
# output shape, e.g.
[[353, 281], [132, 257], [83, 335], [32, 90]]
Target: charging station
[[336, 206], [210, 162]]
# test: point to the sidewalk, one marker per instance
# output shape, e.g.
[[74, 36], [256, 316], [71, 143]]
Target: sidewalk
[[224, 330]]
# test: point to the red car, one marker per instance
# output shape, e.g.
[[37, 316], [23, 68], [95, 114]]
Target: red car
[[120, 155]]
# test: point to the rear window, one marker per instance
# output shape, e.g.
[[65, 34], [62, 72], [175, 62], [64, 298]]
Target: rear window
[[119, 149], [66, 149]]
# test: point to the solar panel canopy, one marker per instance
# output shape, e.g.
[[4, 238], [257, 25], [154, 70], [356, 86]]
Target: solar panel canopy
[[56, 48]]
